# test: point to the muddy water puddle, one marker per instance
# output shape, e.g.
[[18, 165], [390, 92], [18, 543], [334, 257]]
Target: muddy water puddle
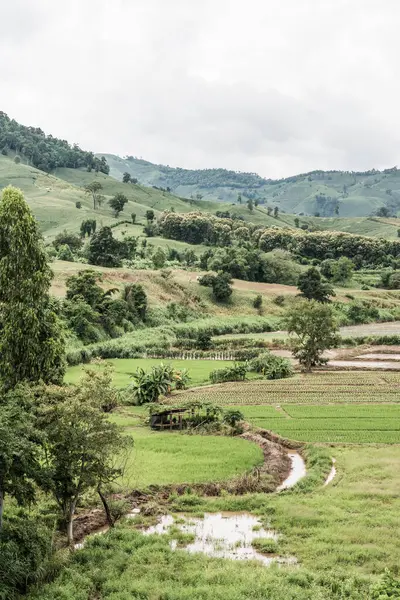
[[297, 471], [222, 535]]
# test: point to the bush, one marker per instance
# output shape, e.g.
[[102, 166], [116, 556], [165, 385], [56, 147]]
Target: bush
[[78, 204], [220, 284], [236, 373], [68, 239], [257, 302], [360, 313], [65, 253], [232, 417], [387, 588], [271, 366], [148, 386], [203, 340], [25, 554], [279, 300]]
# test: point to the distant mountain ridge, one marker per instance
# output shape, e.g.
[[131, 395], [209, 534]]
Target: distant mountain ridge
[[320, 193]]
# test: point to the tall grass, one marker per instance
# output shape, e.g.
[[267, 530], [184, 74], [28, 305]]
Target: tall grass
[[156, 341]]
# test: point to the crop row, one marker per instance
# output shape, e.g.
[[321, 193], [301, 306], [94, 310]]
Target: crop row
[[246, 396], [338, 411], [279, 425], [347, 436]]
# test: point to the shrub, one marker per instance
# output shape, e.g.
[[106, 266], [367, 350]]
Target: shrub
[[388, 587], [25, 553], [236, 373], [65, 253], [257, 302], [78, 204], [148, 386], [158, 259], [360, 313], [232, 417], [271, 366], [220, 284], [70, 239], [203, 340], [279, 300]]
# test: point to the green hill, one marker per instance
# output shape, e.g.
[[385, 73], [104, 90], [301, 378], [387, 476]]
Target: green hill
[[324, 192], [53, 199]]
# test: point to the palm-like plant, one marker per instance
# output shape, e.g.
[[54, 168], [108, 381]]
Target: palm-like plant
[[149, 386]]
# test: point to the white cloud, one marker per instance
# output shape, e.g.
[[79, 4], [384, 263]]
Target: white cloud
[[273, 86]]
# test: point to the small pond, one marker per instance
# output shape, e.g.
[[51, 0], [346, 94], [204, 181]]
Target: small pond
[[223, 535]]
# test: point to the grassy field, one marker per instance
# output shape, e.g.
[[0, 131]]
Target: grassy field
[[347, 423], [199, 370], [166, 457], [343, 537], [163, 458]]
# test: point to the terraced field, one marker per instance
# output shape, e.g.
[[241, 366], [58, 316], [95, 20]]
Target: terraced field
[[333, 407], [336, 387]]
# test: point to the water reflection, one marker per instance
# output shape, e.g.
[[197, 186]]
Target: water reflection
[[222, 535]]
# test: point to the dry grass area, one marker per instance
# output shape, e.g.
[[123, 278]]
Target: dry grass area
[[181, 287]]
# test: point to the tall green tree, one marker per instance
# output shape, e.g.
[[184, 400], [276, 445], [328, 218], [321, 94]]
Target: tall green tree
[[150, 215], [312, 286], [94, 189], [83, 449], [312, 330], [117, 203], [126, 177], [31, 340], [19, 449], [104, 249]]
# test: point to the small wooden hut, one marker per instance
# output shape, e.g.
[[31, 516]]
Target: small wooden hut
[[169, 418]]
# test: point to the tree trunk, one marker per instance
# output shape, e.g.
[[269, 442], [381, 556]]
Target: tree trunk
[[70, 526], [1, 508], [110, 520]]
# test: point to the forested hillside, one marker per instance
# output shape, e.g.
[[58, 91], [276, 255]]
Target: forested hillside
[[44, 151], [318, 193]]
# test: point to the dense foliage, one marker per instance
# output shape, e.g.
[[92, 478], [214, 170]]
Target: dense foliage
[[31, 341], [312, 329], [45, 152], [106, 251], [200, 228], [312, 286], [148, 386], [93, 314], [271, 366], [236, 372]]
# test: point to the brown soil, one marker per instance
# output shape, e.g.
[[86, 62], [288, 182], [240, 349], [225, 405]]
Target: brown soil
[[276, 461]]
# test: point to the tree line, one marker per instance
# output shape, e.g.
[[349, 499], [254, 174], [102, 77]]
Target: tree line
[[45, 152], [199, 228]]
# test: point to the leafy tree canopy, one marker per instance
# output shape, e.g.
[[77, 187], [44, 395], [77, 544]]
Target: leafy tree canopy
[[312, 329], [313, 287], [31, 340]]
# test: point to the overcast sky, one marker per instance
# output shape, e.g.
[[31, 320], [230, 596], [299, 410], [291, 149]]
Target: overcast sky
[[272, 86]]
